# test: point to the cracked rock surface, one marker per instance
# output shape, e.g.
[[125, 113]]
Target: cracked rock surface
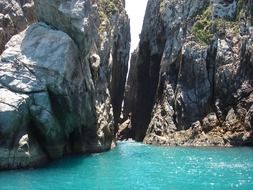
[[15, 16], [57, 82], [193, 73]]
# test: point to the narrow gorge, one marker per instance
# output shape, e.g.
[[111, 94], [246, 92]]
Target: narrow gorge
[[63, 77]]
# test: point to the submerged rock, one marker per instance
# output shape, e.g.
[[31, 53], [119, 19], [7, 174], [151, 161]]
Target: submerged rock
[[193, 74]]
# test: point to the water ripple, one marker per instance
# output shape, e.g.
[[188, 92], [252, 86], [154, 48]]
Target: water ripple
[[136, 166]]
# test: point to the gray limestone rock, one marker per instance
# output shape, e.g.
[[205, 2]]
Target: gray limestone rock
[[64, 76], [96, 29], [15, 16], [34, 77], [61, 107], [72, 17], [193, 82], [224, 8]]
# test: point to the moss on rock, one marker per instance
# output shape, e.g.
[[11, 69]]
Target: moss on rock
[[203, 26], [206, 26]]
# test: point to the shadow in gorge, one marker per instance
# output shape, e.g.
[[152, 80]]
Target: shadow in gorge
[[147, 81], [142, 84]]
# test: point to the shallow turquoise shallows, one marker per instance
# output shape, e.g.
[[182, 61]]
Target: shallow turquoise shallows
[[137, 166]]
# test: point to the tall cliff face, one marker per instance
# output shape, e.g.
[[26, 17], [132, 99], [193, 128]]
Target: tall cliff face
[[58, 81], [103, 28], [193, 74]]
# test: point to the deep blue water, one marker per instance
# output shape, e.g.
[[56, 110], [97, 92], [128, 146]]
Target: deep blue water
[[137, 166]]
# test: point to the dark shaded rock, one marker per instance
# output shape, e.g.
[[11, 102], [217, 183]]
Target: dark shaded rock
[[120, 57], [131, 87], [147, 69], [201, 95]]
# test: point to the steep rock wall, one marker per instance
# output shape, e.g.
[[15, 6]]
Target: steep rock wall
[[57, 81], [194, 74]]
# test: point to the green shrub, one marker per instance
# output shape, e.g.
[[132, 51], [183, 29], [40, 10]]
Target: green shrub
[[109, 7], [205, 27], [202, 29]]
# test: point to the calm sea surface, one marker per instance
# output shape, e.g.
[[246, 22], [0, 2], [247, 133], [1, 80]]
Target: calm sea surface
[[137, 166]]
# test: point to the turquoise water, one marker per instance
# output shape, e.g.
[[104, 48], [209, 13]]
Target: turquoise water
[[137, 166]]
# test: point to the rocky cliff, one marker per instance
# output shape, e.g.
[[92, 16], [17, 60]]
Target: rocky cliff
[[61, 80], [193, 74], [15, 16]]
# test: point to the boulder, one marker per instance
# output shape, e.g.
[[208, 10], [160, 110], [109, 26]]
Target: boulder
[[51, 95], [65, 71]]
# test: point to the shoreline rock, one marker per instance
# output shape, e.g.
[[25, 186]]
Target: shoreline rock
[[194, 65], [57, 77]]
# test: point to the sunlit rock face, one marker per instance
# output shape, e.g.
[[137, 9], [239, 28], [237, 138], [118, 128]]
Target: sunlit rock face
[[193, 73], [15, 16], [58, 81]]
